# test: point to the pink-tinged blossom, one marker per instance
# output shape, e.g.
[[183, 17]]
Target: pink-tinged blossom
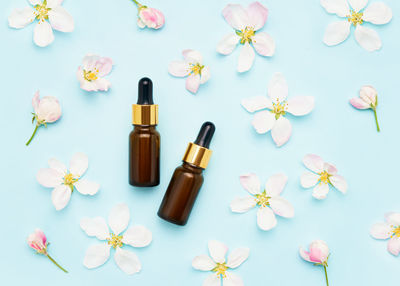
[[275, 107], [318, 254], [149, 17], [368, 99], [389, 229], [92, 72], [246, 24]]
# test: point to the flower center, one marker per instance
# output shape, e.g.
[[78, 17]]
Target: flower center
[[324, 177], [396, 231], [115, 240], [69, 180], [196, 68], [42, 12], [355, 17], [246, 35], [279, 109], [90, 75], [220, 269], [262, 199]]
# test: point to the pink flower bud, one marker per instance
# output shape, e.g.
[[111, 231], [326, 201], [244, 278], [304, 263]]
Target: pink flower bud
[[318, 253], [368, 94], [38, 241], [150, 17], [47, 109]]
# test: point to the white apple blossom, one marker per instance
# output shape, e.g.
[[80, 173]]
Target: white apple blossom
[[390, 229], [91, 74]]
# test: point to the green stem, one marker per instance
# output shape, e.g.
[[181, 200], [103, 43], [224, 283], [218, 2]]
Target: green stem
[[137, 3], [326, 276], [34, 132], [58, 265], [376, 120]]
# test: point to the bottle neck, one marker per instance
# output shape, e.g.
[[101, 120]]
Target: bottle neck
[[145, 127], [192, 168]]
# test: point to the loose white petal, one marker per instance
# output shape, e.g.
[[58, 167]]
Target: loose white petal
[[339, 183], [57, 165], [358, 5], [192, 56], [86, 187], [393, 218], [217, 251], [96, 255], [137, 236], [127, 261], [275, 184], [300, 105], [119, 218], [320, 191], [263, 121], [308, 179], [264, 44], [242, 205], [237, 257], [228, 44], [232, 280], [377, 13], [281, 131], [96, 226], [266, 219], [60, 196], [250, 183], [78, 164], [278, 88], [179, 68], [394, 246], [255, 103], [338, 7], [236, 16], [381, 230], [193, 83], [314, 163], [203, 263], [212, 280], [205, 75], [246, 58], [368, 38], [43, 34], [281, 207], [61, 20], [19, 18], [49, 178], [337, 32]]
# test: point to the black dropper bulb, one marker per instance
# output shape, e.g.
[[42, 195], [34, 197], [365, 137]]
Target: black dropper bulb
[[145, 92], [205, 134]]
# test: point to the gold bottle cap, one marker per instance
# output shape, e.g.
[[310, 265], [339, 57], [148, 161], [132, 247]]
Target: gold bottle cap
[[144, 114], [197, 155]]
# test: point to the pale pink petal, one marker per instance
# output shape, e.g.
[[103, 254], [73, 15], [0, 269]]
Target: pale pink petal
[[358, 103], [96, 255], [104, 66], [275, 184], [255, 103], [43, 34], [232, 279], [320, 191], [205, 75], [257, 15], [281, 207], [36, 101], [369, 95], [137, 236], [377, 13], [250, 183], [193, 83], [308, 179], [338, 7], [192, 56], [368, 38], [237, 257], [319, 251], [19, 18], [96, 226], [86, 187], [339, 183], [278, 88], [212, 280], [236, 16], [60, 196], [179, 68], [381, 230], [394, 245], [266, 219], [49, 178], [78, 164], [228, 44], [49, 109], [119, 217], [358, 5], [331, 169], [217, 251], [246, 58], [304, 254], [336, 33], [393, 218], [61, 20], [300, 105], [314, 163], [264, 44], [242, 205], [203, 263], [281, 131], [89, 61], [263, 121]]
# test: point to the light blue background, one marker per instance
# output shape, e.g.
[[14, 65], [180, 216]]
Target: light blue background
[[99, 123]]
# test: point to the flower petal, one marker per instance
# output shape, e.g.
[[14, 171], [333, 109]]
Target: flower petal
[[368, 38], [304, 254], [339, 183], [246, 58], [49, 178], [104, 66], [19, 18], [242, 205], [250, 183], [193, 83], [275, 184], [358, 5], [86, 187], [369, 94], [236, 16], [237, 257], [278, 88], [119, 218], [137, 236], [205, 75], [393, 218], [338, 7], [228, 44], [127, 261], [255, 103], [308, 179], [57, 165], [266, 219], [300, 105], [336, 33], [60, 196], [358, 103], [36, 101], [96, 226], [35, 2], [314, 163], [381, 230], [394, 245], [212, 280], [78, 164], [263, 121], [101, 84], [264, 44], [192, 56], [54, 3], [320, 191], [217, 251], [43, 34], [331, 169], [96, 255], [281, 207], [377, 13], [203, 263], [61, 20], [257, 15], [319, 251], [178, 68], [281, 131], [232, 279]]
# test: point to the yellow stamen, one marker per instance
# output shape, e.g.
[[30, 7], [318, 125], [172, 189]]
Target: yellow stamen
[[69, 180], [196, 68], [279, 108], [42, 12], [396, 231], [220, 269], [262, 199], [90, 75], [115, 240], [246, 35], [324, 177], [355, 18]]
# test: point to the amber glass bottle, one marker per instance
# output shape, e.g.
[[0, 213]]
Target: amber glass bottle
[[187, 179], [144, 140]]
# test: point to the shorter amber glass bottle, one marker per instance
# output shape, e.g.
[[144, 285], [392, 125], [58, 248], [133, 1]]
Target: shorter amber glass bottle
[[144, 140], [187, 179]]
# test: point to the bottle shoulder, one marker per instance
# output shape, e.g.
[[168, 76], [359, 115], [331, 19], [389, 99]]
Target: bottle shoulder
[[141, 129]]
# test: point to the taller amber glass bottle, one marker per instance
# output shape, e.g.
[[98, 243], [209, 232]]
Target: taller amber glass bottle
[[144, 140]]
